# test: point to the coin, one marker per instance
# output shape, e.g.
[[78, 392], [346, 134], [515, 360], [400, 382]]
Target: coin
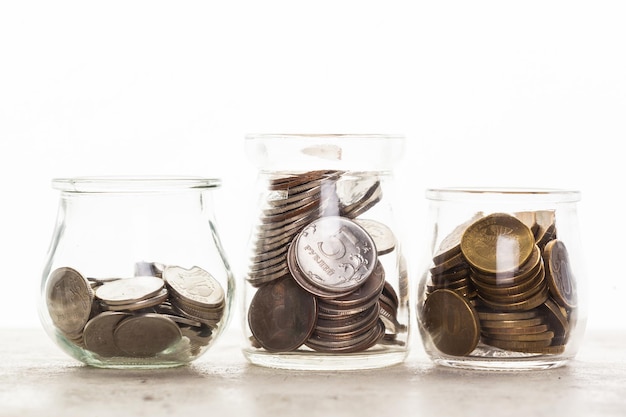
[[540, 328], [451, 244], [516, 345], [495, 315], [372, 288], [558, 273], [146, 335], [497, 243], [451, 322], [138, 305], [69, 299], [556, 320], [526, 304], [98, 333], [363, 342], [282, 315], [129, 290], [195, 286], [370, 198], [335, 253], [347, 323], [383, 237]]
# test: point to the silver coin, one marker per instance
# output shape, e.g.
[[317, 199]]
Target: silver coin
[[141, 304], [129, 290], [195, 285], [304, 281], [69, 298], [382, 235], [98, 334], [371, 289], [146, 335], [352, 188], [349, 323], [363, 342], [364, 194], [335, 253]]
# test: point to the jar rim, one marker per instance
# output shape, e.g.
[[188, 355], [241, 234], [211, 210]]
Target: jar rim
[[104, 184], [509, 193], [323, 136]]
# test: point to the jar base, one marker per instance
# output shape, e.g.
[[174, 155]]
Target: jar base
[[313, 361], [498, 364]]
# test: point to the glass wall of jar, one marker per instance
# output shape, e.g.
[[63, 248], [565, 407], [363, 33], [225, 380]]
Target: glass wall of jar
[[504, 287], [326, 285], [135, 274]]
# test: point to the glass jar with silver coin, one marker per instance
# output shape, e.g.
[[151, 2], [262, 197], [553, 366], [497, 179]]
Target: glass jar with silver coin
[[135, 276], [504, 280], [326, 284]]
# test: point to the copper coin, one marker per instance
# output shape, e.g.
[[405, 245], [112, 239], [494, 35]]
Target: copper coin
[[282, 315], [497, 243], [452, 323]]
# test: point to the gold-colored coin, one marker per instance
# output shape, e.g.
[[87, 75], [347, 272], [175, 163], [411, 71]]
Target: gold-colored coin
[[558, 274], [497, 243], [518, 346], [557, 320], [526, 337], [500, 324], [451, 244], [495, 315], [524, 272], [541, 328], [527, 304], [451, 322]]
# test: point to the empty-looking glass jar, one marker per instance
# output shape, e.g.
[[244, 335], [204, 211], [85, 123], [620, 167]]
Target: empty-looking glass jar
[[135, 274], [504, 287], [325, 284]]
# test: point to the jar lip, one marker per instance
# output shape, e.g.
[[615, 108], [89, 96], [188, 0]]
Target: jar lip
[[324, 136], [509, 193], [104, 184]]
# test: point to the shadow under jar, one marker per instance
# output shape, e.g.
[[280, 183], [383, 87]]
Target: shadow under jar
[[326, 285], [136, 276], [505, 285]]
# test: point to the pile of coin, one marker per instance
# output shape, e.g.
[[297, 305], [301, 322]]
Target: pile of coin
[[319, 281], [503, 280], [136, 317]]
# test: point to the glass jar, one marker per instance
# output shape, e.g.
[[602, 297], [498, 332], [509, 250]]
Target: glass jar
[[326, 285], [504, 287], [135, 276]]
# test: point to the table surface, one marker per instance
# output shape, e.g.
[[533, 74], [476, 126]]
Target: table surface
[[38, 379]]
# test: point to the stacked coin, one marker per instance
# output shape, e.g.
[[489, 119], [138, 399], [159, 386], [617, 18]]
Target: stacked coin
[[136, 317], [520, 292], [325, 258], [195, 293], [291, 203], [451, 270]]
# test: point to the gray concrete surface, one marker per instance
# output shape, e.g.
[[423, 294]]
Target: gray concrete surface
[[38, 379]]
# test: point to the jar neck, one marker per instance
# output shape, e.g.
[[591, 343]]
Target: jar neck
[[303, 152]]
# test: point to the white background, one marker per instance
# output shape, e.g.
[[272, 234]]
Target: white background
[[488, 93]]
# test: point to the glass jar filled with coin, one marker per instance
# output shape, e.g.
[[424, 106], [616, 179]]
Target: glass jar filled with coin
[[135, 276], [326, 285], [504, 285]]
